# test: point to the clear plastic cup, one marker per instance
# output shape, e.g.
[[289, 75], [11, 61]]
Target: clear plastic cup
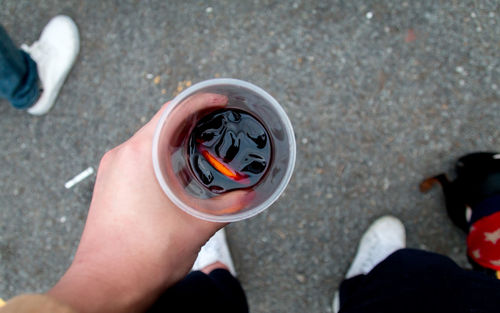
[[170, 150]]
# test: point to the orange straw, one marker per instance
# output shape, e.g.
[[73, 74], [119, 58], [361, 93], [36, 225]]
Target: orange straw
[[226, 171]]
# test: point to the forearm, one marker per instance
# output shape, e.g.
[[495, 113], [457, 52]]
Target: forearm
[[88, 292], [100, 280], [35, 303]]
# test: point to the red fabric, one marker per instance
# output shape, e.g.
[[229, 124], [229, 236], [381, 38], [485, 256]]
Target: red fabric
[[483, 241]]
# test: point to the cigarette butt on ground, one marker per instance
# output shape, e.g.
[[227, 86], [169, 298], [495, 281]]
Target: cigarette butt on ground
[[78, 178], [2, 303]]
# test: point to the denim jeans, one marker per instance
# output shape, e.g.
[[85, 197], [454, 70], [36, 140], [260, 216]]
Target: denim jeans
[[18, 74]]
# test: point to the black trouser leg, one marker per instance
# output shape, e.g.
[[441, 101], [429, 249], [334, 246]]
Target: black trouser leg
[[218, 291], [418, 281]]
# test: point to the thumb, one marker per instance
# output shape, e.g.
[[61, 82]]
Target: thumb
[[224, 204]]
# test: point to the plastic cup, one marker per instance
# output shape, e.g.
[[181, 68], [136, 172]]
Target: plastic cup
[[170, 153]]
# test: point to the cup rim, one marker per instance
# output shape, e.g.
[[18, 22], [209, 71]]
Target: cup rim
[[240, 215]]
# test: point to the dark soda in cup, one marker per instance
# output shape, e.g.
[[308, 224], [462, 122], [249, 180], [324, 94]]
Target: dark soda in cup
[[229, 149]]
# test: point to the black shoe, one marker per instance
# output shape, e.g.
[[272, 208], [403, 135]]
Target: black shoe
[[478, 178]]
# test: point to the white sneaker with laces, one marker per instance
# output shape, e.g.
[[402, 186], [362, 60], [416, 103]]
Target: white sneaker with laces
[[54, 54], [216, 249], [385, 236]]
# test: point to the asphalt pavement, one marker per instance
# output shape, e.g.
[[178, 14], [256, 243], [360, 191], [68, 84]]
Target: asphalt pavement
[[381, 94]]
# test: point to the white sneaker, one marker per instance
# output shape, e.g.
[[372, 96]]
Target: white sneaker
[[214, 250], [54, 54], [336, 302], [385, 236]]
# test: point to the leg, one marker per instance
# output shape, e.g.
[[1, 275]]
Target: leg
[[418, 281], [218, 291], [210, 287], [18, 74], [385, 236], [44, 64]]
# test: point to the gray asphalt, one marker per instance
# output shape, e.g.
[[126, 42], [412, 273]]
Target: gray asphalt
[[381, 94]]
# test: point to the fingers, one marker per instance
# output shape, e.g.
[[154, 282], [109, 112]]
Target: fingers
[[228, 203], [186, 111], [187, 114], [199, 102], [183, 116], [181, 119]]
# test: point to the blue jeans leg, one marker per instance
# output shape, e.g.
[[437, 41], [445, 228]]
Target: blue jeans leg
[[18, 74]]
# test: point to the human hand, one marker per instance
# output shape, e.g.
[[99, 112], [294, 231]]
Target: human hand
[[172, 143], [135, 243]]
